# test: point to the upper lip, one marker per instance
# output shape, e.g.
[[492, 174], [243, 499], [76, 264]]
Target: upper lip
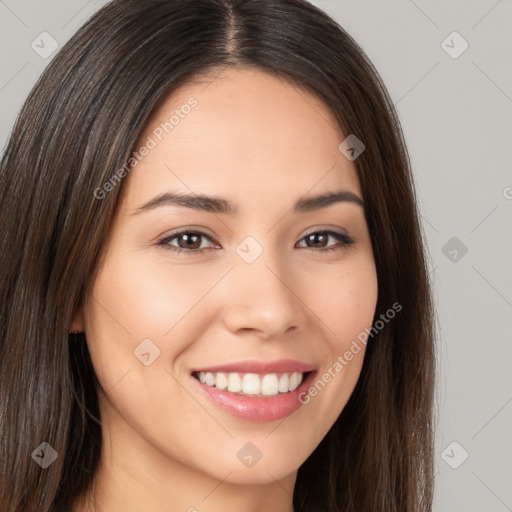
[[262, 367]]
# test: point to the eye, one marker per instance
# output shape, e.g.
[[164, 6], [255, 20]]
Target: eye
[[188, 241], [320, 238], [191, 241]]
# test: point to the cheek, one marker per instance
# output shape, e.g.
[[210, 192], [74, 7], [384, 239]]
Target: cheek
[[345, 301], [146, 300], [138, 298]]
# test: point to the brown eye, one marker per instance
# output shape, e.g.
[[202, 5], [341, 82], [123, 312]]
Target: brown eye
[[187, 241], [319, 239]]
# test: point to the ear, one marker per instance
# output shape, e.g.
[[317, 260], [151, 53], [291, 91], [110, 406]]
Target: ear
[[78, 322]]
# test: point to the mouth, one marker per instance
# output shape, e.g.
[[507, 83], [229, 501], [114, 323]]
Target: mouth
[[256, 391], [252, 384]]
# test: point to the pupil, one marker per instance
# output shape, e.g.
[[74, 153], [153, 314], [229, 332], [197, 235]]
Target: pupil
[[315, 236], [190, 238]]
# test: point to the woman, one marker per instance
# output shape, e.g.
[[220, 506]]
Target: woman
[[214, 289]]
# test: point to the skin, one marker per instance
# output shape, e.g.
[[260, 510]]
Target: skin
[[262, 143]]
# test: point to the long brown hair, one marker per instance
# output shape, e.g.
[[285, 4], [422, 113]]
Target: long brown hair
[[79, 126]]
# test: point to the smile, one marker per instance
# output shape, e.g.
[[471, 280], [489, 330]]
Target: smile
[[256, 390]]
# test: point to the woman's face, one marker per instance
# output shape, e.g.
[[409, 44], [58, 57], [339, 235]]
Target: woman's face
[[259, 295]]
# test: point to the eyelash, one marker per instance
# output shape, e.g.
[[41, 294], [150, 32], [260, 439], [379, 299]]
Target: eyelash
[[345, 241]]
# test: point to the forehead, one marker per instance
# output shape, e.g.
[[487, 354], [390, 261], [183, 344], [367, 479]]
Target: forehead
[[246, 133]]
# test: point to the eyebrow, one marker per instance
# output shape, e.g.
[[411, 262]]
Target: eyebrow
[[211, 204]]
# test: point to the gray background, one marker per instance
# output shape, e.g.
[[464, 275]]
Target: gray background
[[456, 115]]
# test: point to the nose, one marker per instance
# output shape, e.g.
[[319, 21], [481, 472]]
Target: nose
[[262, 297]]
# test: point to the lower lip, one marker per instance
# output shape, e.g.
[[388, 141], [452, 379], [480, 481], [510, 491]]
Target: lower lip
[[251, 408]]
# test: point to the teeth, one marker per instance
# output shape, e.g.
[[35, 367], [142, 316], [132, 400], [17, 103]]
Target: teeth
[[270, 385], [210, 379], [253, 384], [221, 381], [234, 382], [295, 380], [284, 383]]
